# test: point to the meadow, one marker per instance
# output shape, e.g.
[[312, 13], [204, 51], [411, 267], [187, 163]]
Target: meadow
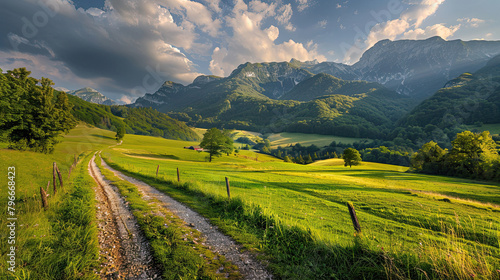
[[413, 225], [288, 138], [492, 128], [294, 217]]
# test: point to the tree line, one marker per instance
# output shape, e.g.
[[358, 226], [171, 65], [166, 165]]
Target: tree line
[[472, 155], [369, 151]]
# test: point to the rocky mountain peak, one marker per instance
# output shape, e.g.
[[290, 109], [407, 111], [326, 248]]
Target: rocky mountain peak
[[91, 95], [204, 79]]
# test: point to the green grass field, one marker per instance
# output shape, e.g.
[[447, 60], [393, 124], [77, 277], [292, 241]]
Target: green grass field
[[413, 225], [286, 138], [443, 225]]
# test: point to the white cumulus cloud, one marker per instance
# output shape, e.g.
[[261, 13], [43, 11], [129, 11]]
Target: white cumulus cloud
[[431, 31], [283, 16], [473, 22], [302, 5], [249, 41]]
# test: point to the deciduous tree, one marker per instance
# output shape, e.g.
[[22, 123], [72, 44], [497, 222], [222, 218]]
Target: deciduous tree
[[216, 142], [351, 157]]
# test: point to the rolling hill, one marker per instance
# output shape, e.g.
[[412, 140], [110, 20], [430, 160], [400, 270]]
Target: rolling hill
[[467, 99], [140, 121]]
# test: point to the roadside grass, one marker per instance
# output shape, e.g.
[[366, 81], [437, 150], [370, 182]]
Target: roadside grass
[[177, 248], [286, 138], [409, 228], [61, 242]]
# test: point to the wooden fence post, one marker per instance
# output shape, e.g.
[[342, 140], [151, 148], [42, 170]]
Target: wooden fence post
[[60, 177], [354, 218], [54, 177], [43, 194], [228, 189], [178, 175], [157, 169]]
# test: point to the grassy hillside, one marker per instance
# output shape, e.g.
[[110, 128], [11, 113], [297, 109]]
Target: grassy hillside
[[286, 138], [468, 100], [493, 128], [60, 243], [141, 121], [412, 224]]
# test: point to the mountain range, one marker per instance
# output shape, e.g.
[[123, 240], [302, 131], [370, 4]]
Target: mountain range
[[417, 68], [367, 99], [280, 96]]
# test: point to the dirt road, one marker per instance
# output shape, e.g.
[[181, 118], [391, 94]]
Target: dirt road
[[214, 239]]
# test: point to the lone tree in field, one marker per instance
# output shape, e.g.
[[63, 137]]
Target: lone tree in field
[[120, 133], [351, 157], [216, 142]]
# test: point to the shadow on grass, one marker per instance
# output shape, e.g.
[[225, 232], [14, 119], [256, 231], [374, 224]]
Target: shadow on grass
[[158, 156], [102, 136]]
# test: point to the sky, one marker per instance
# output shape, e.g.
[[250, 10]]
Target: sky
[[126, 48]]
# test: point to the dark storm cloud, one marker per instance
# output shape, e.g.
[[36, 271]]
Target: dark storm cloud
[[116, 47]]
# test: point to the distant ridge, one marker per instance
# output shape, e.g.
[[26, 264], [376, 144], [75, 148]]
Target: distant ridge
[[467, 99]]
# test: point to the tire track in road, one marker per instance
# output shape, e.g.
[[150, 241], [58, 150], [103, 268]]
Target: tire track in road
[[125, 250]]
